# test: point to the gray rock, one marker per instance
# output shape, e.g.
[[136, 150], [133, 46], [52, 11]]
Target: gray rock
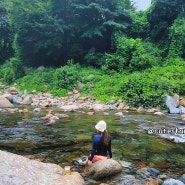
[[182, 178], [103, 168], [5, 103], [173, 182], [27, 100], [153, 172], [18, 170], [129, 180], [111, 102]]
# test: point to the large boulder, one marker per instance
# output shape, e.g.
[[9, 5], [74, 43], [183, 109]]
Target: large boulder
[[103, 168], [27, 100], [173, 182], [5, 103], [18, 170], [182, 178]]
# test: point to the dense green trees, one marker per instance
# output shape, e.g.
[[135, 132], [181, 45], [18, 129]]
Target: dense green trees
[[161, 16], [52, 32], [5, 36], [106, 34]]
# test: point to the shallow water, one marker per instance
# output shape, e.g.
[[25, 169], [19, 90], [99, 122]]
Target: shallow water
[[70, 138]]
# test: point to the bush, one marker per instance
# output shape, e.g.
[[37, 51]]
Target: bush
[[67, 77], [12, 70], [149, 88], [42, 80]]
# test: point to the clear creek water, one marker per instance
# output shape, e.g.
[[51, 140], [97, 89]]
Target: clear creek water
[[70, 138]]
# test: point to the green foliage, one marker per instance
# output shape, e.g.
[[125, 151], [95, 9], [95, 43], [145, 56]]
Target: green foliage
[[12, 70], [39, 80], [94, 58], [106, 34], [105, 86], [113, 62], [132, 55], [177, 41], [67, 77], [148, 89], [140, 25], [142, 90], [6, 51], [51, 32], [161, 16]]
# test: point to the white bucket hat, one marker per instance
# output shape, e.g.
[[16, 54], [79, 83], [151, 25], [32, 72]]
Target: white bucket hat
[[101, 126]]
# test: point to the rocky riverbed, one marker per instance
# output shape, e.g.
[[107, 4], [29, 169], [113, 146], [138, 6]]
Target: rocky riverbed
[[11, 97], [87, 105]]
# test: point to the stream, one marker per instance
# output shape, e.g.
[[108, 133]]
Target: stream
[[70, 138]]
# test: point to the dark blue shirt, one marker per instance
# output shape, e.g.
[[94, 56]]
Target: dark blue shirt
[[98, 147]]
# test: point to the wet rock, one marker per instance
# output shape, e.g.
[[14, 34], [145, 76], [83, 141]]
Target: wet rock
[[151, 181], [126, 164], [140, 164], [5, 103], [16, 98], [98, 107], [153, 172], [119, 114], [61, 115], [159, 113], [23, 111], [120, 106], [140, 109], [173, 182], [129, 180], [27, 100], [103, 168], [80, 161], [74, 178], [8, 96], [36, 110], [173, 105], [182, 102], [18, 170], [13, 91], [90, 113], [153, 110], [182, 178], [69, 108], [143, 173]]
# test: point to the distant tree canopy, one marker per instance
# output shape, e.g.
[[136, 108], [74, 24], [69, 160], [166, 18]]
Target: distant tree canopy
[[161, 16], [5, 36], [51, 32], [165, 29]]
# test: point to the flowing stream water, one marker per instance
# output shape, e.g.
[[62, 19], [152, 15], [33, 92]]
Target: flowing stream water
[[70, 138]]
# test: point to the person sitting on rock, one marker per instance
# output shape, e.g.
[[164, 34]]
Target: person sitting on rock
[[101, 145]]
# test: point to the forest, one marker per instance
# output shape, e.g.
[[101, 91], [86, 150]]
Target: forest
[[115, 51]]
